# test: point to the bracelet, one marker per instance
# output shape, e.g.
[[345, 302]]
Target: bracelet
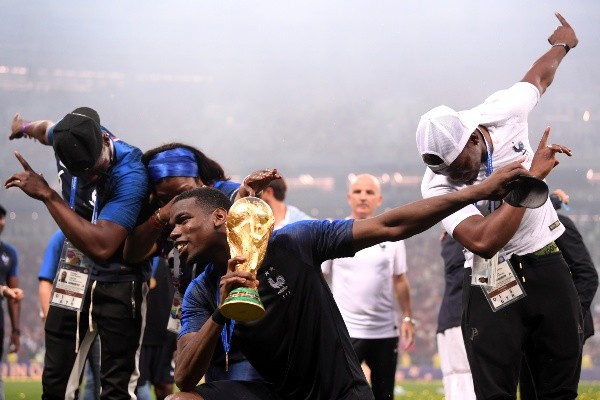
[[409, 320], [17, 331], [566, 46], [157, 221], [24, 127], [219, 318]]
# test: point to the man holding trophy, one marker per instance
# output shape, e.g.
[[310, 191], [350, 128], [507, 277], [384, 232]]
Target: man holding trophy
[[300, 345]]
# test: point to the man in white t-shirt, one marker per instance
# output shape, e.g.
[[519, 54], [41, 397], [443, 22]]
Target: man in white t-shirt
[[367, 288], [533, 308]]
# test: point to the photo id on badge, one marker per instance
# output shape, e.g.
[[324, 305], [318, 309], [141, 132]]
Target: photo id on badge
[[508, 289], [71, 280], [484, 271]]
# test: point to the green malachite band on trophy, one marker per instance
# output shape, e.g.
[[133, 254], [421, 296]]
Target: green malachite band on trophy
[[243, 304]]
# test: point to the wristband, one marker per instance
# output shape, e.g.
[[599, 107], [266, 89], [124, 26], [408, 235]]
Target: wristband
[[566, 46], [219, 318], [24, 127], [17, 331]]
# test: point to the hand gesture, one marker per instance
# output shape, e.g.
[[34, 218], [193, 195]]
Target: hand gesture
[[544, 159], [257, 181], [497, 185], [12, 293], [16, 128], [32, 183], [563, 33]]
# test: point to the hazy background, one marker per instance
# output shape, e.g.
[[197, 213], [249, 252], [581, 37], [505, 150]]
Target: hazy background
[[316, 89]]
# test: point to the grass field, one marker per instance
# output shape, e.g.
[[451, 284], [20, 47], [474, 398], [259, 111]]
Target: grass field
[[418, 390]]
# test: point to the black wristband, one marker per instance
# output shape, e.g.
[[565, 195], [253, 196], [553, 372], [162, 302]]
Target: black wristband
[[219, 318], [17, 331]]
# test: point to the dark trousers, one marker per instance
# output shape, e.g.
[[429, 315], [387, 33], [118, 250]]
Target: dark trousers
[[381, 356], [118, 314], [546, 327]]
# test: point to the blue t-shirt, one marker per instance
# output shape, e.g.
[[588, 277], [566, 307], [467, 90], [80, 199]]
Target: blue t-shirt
[[301, 344], [119, 199], [228, 188], [51, 257], [9, 262]]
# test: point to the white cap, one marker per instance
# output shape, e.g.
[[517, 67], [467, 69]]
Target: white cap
[[444, 132]]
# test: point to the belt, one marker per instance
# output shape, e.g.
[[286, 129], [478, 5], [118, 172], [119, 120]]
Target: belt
[[547, 249]]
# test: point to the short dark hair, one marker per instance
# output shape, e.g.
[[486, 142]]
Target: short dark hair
[[209, 170], [2, 211], [279, 188], [209, 199]]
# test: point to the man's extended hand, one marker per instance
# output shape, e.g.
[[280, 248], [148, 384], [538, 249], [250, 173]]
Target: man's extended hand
[[32, 183], [544, 159], [257, 181], [563, 33]]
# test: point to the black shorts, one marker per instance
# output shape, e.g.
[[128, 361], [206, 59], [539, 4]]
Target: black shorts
[[156, 362], [243, 390]]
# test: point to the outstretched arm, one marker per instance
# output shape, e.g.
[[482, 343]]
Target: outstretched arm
[[413, 218], [30, 129], [541, 74], [99, 241]]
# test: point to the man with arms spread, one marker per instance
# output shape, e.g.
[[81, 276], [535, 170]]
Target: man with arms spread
[[541, 313], [114, 305], [301, 345]]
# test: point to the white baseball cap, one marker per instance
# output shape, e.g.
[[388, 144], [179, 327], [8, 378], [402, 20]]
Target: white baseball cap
[[444, 132]]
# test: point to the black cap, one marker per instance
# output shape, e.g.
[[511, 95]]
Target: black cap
[[2, 211], [77, 139]]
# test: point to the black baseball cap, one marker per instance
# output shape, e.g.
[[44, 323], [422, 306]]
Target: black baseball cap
[[77, 140]]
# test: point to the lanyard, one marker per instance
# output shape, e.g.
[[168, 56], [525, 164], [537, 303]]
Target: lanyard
[[489, 166], [225, 335], [72, 200]]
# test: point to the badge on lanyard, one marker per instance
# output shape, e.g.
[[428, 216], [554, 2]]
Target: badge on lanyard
[[72, 278], [484, 271], [174, 323], [73, 273], [507, 290]]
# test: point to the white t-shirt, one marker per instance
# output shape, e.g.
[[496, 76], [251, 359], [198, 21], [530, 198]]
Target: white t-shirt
[[504, 114], [363, 289]]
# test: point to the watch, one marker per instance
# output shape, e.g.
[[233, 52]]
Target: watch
[[409, 320]]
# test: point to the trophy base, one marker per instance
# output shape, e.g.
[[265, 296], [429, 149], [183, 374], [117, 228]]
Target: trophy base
[[243, 304]]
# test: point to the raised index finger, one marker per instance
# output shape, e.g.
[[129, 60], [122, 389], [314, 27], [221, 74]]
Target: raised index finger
[[544, 139], [562, 20], [24, 163]]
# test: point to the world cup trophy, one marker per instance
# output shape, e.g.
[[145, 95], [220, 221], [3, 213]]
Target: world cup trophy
[[250, 224]]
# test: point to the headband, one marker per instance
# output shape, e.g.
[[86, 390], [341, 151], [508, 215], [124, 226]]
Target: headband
[[173, 162]]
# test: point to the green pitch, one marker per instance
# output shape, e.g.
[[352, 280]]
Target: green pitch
[[421, 390]]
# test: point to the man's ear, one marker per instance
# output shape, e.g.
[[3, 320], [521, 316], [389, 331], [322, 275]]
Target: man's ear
[[219, 217]]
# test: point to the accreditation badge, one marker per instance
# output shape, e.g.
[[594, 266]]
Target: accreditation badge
[[507, 290], [174, 323], [484, 271], [72, 278]]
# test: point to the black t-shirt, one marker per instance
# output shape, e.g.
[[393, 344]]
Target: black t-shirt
[[301, 344], [454, 272], [159, 306]]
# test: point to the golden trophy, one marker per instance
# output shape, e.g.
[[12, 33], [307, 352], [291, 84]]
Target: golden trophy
[[249, 226]]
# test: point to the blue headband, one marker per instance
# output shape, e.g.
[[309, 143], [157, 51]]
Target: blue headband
[[173, 162]]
